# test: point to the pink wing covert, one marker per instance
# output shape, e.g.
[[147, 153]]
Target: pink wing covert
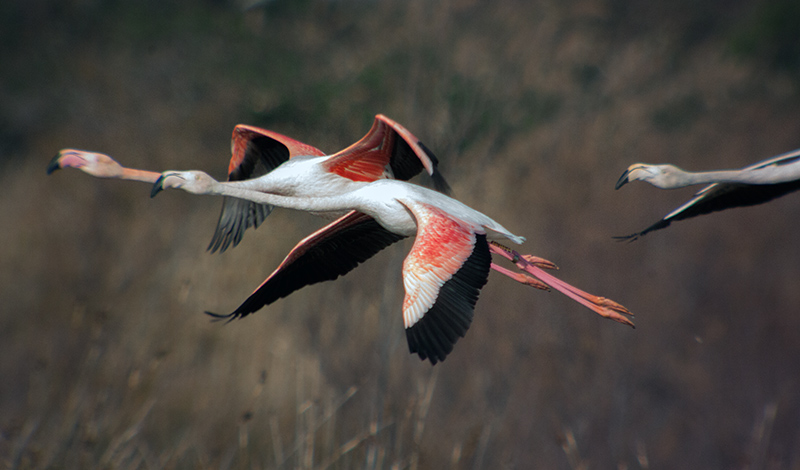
[[442, 275], [244, 134], [388, 150]]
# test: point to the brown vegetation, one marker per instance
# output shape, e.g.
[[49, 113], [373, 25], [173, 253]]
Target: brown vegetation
[[533, 108]]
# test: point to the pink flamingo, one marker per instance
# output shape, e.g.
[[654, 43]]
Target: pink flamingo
[[448, 264], [99, 165], [278, 164]]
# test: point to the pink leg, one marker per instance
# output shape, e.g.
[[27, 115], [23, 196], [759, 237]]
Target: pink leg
[[522, 278], [602, 306]]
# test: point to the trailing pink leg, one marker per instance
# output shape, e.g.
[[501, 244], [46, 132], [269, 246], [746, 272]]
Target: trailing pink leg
[[602, 306], [522, 278]]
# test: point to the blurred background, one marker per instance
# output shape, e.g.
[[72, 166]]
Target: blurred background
[[534, 110]]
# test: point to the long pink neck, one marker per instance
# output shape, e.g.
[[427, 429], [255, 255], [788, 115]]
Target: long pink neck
[[139, 175]]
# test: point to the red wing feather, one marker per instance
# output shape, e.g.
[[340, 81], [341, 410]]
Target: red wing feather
[[366, 160], [388, 150], [326, 254], [244, 134], [448, 265], [254, 153]]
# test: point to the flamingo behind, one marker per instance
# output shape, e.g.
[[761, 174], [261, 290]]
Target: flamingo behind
[[749, 186], [448, 264], [99, 165]]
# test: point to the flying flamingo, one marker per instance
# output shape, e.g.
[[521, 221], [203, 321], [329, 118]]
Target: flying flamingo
[[448, 264], [749, 186], [281, 165]]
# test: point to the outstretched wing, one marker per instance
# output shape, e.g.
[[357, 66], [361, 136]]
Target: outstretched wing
[[718, 197], [254, 152], [388, 150], [783, 159], [443, 275], [326, 254]]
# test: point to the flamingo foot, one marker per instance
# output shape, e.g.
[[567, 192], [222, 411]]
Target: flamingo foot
[[539, 262], [607, 308]]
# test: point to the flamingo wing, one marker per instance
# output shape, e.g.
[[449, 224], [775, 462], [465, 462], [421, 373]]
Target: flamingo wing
[[721, 196], [388, 150], [254, 152], [326, 254], [787, 158], [443, 275], [236, 216]]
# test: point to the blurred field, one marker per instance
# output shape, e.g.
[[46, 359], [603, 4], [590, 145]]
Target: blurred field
[[534, 110]]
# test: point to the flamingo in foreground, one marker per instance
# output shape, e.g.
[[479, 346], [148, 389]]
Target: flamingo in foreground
[[281, 165], [749, 186], [448, 264]]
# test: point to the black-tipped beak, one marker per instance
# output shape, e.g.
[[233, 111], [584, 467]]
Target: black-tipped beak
[[54, 164], [157, 186], [622, 180]]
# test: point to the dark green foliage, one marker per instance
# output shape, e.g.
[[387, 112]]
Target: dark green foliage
[[679, 114], [770, 35]]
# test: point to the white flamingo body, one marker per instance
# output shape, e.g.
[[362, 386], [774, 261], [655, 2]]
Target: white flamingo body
[[302, 177], [393, 204], [751, 185], [292, 178], [448, 264]]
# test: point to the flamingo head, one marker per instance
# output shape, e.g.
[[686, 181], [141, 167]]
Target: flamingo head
[[660, 176], [93, 163], [195, 182]]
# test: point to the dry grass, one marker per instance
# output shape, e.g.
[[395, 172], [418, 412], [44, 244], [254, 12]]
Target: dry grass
[[534, 110]]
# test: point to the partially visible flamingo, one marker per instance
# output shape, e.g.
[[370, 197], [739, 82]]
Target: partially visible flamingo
[[448, 264], [99, 165], [749, 186], [278, 164]]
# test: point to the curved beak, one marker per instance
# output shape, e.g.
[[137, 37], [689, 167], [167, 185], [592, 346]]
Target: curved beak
[[67, 158], [157, 186], [162, 183], [622, 179], [55, 163]]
